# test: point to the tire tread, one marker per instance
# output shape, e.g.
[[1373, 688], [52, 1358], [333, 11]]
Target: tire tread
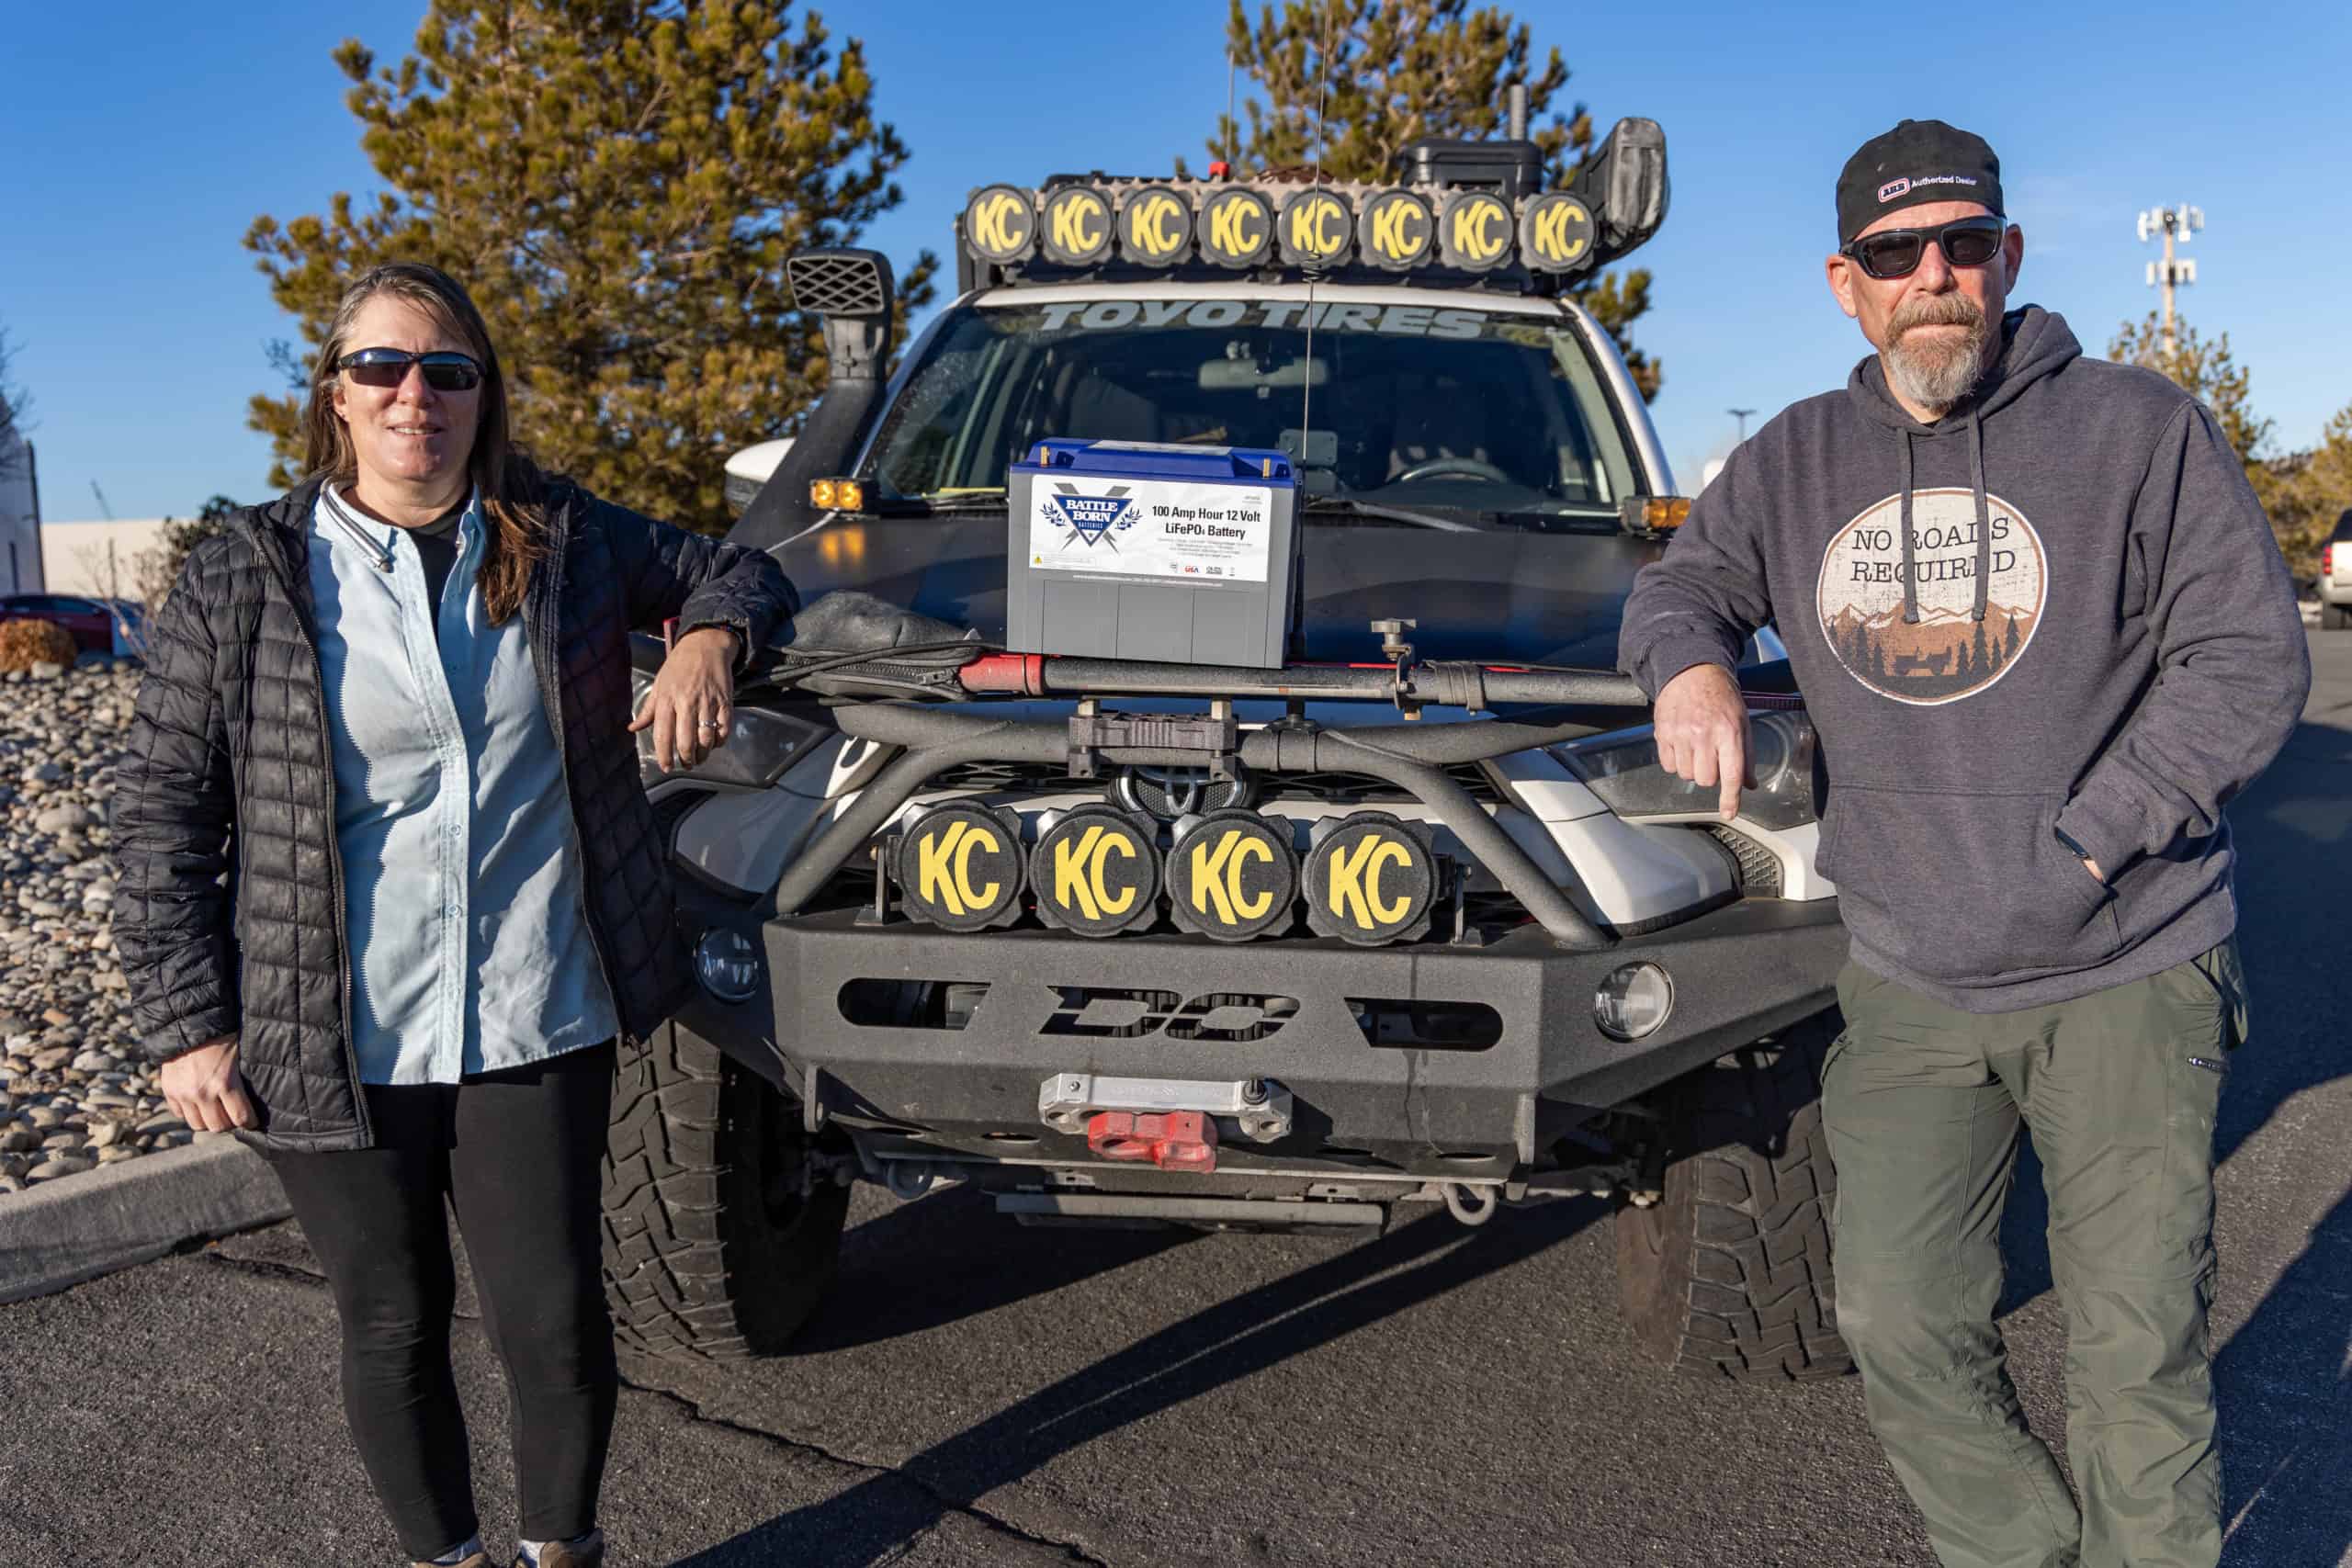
[[1740, 1284]]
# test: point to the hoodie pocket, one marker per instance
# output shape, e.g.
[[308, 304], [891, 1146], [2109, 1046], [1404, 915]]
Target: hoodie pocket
[[1962, 887]]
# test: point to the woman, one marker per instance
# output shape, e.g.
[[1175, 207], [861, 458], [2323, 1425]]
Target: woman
[[390, 889]]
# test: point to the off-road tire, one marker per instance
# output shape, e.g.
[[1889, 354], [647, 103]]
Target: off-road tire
[[709, 1248], [1728, 1274]]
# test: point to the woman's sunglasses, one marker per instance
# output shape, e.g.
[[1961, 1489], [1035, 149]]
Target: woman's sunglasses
[[386, 368], [1896, 253]]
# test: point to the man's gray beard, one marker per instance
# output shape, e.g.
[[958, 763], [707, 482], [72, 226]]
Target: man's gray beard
[[1932, 374]]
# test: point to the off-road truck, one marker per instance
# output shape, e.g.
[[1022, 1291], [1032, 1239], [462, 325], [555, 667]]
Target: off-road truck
[[1124, 923]]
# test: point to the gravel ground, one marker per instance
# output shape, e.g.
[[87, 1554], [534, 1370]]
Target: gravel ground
[[75, 1095]]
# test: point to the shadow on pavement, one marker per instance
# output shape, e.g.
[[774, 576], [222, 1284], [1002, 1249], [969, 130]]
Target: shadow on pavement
[[2284, 1380], [905, 1284], [1261, 1329], [2286, 1393], [2285, 953]]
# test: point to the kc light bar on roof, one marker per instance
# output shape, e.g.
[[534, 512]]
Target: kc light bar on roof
[[1612, 206]]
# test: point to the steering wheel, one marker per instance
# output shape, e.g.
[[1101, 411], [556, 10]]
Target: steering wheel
[[1469, 468]]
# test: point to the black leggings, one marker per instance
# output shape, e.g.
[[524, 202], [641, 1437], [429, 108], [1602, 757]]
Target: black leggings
[[517, 1154]]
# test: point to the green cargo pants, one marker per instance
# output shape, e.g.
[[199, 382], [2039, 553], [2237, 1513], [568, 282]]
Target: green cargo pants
[[1922, 1104]]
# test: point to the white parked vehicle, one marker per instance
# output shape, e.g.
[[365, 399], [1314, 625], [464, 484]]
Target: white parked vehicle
[[2335, 576]]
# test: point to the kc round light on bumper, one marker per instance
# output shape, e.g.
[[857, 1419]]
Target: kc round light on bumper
[[728, 965], [1633, 1001]]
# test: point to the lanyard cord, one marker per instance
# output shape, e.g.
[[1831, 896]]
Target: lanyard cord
[[378, 551]]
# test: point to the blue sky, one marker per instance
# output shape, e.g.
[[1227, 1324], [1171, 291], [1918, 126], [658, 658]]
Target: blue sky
[[143, 138]]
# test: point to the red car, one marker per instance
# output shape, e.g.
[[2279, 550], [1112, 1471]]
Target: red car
[[92, 621]]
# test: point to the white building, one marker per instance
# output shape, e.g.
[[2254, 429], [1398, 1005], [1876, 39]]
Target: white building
[[100, 560], [20, 552]]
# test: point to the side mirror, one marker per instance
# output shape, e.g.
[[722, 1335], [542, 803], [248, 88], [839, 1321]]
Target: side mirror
[[853, 292]]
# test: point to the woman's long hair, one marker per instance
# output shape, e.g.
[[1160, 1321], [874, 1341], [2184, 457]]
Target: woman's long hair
[[510, 485]]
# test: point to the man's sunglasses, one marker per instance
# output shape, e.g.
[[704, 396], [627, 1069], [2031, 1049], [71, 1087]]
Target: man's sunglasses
[[444, 372], [1896, 253]]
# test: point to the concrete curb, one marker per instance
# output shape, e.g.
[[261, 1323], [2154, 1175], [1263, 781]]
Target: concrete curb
[[63, 1232]]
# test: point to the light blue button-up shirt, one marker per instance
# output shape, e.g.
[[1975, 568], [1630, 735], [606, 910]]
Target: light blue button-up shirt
[[462, 880]]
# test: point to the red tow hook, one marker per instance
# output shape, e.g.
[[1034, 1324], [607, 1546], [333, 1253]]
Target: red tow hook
[[1172, 1140]]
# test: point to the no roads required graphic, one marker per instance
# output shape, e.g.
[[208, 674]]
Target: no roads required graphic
[[1947, 654], [1196, 533]]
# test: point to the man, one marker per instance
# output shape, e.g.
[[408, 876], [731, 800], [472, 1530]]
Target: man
[[2044, 635]]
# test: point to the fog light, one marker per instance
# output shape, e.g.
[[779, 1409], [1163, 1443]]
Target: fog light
[[728, 965], [1633, 1001]]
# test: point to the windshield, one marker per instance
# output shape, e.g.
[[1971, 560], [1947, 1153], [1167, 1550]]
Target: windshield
[[1494, 418]]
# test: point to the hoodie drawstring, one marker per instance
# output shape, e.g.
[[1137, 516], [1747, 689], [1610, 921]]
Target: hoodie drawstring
[[1910, 549], [1983, 510], [1983, 525]]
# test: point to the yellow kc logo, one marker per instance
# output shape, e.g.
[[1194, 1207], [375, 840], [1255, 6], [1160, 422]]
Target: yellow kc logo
[[1217, 878], [1155, 224], [1553, 240], [943, 868], [1400, 229], [1236, 226], [1081, 874], [1079, 222], [1480, 228], [993, 229], [1316, 227], [1355, 892]]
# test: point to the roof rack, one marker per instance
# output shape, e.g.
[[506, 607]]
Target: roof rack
[[1462, 215]]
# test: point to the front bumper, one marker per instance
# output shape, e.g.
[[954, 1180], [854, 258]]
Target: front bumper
[[1176, 1007]]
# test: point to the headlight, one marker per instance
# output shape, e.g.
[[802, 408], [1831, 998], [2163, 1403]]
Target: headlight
[[1633, 1001], [728, 965], [759, 747], [1622, 768]]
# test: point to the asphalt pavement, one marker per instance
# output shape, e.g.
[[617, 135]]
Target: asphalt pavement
[[979, 1393]]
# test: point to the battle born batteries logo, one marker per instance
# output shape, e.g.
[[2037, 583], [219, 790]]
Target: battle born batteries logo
[[1091, 518], [1947, 654]]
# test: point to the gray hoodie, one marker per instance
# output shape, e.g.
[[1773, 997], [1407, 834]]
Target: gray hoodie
[[2052, 625]]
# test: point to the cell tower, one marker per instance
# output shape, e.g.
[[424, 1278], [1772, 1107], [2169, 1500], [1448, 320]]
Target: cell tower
[[2172, 222]]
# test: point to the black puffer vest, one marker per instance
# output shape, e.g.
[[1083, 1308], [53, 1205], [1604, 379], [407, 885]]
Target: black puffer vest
[[228, 911]]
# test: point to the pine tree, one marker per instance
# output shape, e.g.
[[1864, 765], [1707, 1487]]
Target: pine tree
[[618, 184], [2206, 369], [1399, 70], [1977, 658], [2305, 492]]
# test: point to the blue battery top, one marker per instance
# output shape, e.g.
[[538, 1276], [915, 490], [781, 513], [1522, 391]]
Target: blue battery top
[[1160, 460]]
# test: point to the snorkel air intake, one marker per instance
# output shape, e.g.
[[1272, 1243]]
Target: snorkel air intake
[[854, 294]]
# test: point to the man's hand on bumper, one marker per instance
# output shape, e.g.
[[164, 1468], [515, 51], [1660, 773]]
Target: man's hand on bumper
[[1702, 730]]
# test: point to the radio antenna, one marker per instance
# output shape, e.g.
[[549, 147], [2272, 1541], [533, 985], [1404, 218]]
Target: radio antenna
[[1314, 182], [1232, 128]]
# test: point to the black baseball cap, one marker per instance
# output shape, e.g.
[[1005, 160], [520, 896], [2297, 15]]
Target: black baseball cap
[[1918, 161]]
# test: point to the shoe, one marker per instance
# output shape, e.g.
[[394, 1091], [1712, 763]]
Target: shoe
[[590, 1554], [474, 1559]]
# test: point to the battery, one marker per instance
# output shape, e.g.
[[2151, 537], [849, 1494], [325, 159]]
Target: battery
[[1127, 549]]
